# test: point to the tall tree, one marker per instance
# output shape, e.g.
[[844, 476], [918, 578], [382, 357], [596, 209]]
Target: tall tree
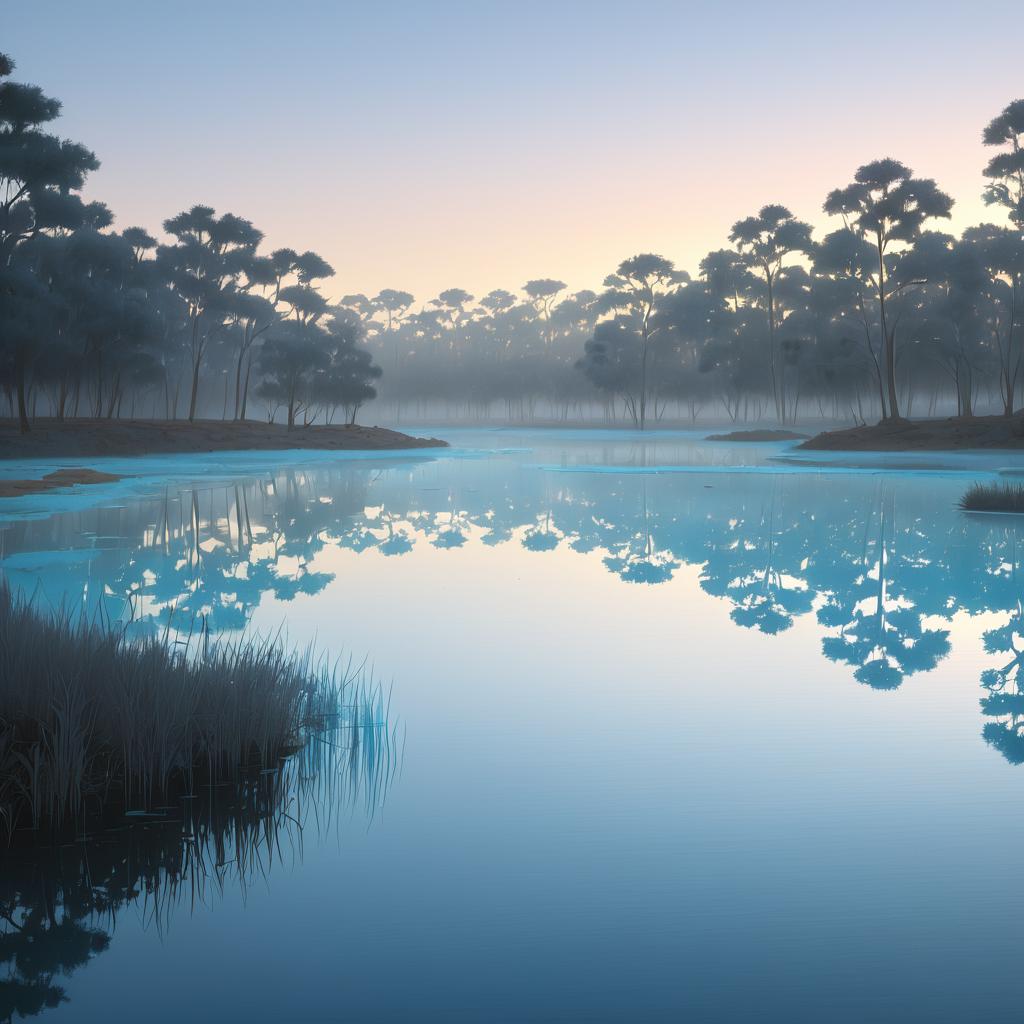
[[636, 288], [764, 241], [395, 305], [1005, 170], [39, 173], [846, 258], [205, 263], [1001, 251], [451, 306], [888, 206], [542, 292]]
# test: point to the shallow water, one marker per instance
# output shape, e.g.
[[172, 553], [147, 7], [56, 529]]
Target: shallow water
[[690, 731]]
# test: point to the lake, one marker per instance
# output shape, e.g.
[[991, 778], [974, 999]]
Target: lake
[[676, 730]]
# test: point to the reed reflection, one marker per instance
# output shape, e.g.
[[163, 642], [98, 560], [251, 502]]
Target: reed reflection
[[59, 903]]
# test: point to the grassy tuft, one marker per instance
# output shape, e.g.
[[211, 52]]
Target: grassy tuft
[[90, 720], [993, 498]]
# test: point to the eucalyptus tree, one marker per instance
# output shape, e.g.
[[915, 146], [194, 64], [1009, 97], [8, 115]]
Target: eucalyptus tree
[[39, 173], [496, 325], [1001, 251], [314, 363], [732, 353], [253, 315], [100, 318], [288, 361], [108, 288], [498, 301], [888, 207], [451, 307], [765, 241], [395, 306], [697, 316], [346, 381], [205, 263], [27, 313], [634, 291], [611, 362], [953, 310], [575, 315], [1005, 170], [845, 258], [542, 292]]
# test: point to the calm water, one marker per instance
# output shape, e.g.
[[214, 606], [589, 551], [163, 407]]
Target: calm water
[[681, 732]]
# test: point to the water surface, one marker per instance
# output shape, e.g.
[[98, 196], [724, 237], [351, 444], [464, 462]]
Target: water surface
[[692, 731]]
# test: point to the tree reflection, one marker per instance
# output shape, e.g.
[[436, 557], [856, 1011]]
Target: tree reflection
[[867, 561], [59, 904], [880, 631]]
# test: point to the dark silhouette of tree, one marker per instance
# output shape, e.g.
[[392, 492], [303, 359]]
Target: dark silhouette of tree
[[451, 306], [98, 322], [887, 206], [542, 293], [764, 241], [39, 174], [1005, 170], [209, 256], [634, 290]]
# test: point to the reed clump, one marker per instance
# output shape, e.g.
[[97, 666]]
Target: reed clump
[[90, 719], [993, 498]]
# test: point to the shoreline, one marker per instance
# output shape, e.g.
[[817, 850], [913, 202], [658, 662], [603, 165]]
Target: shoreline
[[944, 435], [759, 436], [95, 438]]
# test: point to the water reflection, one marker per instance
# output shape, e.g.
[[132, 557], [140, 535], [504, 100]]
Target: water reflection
[[59, 905], [879, 564]]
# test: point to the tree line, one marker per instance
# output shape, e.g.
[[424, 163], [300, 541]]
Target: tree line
[[107, 323], [881, 315], [884, 315]]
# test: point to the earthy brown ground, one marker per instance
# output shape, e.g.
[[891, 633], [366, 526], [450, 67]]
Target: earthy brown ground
[[59, 478], [758, 435], [82, 437], [925, 435]]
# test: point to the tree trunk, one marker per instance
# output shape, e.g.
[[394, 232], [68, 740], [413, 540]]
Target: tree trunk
[[888, 340], [23, 424], [195, 392]]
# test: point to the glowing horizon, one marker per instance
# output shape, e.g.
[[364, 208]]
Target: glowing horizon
[[481, 145]]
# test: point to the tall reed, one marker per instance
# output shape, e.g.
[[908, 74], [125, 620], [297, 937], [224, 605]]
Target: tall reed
[[993, 498], [90, 719]]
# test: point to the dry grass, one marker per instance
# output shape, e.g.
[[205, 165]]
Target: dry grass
[[993, 498], [89, 719]]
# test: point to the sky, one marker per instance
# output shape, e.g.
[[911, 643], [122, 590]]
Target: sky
[[427, 145]]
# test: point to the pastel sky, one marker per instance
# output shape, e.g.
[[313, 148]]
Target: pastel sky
[[425, 145]]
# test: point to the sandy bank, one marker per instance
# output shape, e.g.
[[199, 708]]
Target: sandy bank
[[91, 438], [925, 435]]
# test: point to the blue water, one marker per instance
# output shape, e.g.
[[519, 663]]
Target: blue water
[[688, 731]]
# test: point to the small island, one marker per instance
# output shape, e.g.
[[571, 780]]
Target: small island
[[53, 438], [899, 435], [69, 477]]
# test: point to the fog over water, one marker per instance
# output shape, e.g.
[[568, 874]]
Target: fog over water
[[417, 599], [681, 727]]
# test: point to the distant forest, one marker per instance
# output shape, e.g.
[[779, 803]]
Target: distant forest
[[884, 316]]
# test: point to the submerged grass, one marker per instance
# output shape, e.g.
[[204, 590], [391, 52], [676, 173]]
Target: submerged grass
[[993, 498], [90, 720]]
